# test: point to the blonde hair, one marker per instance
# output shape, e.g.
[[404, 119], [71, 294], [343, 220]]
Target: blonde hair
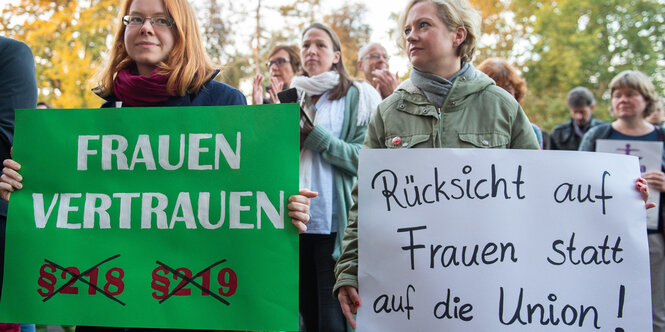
[[638, 81], [453, 14], [187, 65]]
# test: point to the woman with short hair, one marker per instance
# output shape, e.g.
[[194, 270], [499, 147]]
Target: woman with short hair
[[283, 64], [633, 99]]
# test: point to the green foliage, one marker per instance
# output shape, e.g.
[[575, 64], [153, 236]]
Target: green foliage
[[588, 42]]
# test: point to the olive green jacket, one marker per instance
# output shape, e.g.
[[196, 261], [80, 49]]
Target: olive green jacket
[[476, 114]]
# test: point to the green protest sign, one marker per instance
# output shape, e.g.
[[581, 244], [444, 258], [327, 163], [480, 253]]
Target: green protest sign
[[154, 217]]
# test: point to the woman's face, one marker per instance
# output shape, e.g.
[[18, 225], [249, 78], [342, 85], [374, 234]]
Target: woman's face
[[430, 46], [148, 44], [628, 103], [317, 52], [284, 71]]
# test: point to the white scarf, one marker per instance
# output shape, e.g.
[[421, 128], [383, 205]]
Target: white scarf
[[368, 98]]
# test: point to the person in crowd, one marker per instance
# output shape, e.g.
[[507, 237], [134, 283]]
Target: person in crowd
[[506, 77], [43, 105], [18, 89], [334, 120], [658, 116], [568, 135], [373, 64], [283, 64], [440, 38], [633, 99], [153, 63]]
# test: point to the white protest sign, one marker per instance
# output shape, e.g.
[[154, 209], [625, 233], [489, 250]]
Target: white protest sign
[[650, 155], [501, 240]]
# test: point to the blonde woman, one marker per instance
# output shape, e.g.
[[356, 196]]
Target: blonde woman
[[446, 103]]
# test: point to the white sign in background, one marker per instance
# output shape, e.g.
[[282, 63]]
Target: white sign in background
[[501, 240], [650, 158]]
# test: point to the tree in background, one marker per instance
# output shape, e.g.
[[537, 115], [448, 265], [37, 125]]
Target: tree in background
[[347, 22], [68, 39], [500, 33], [587, 42]]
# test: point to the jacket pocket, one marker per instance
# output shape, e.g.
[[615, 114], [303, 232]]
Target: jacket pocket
[[404, 142], [485, 140]]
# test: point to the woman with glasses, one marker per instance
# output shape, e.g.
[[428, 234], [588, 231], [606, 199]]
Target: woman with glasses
[[336, 112], [157, 59], [283, 64]]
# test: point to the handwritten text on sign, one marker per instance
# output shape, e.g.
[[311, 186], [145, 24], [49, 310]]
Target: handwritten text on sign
[[501, 240]]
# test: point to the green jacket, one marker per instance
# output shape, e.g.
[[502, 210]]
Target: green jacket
[[342, 154], [476, 114]]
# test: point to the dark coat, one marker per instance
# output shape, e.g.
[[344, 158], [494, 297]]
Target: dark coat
[[563, 136], [18, 89]]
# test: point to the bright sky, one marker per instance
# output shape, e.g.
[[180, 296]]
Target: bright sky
[[377, 16]]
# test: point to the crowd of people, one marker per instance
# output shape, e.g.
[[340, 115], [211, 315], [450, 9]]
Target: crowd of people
[[157, 59]]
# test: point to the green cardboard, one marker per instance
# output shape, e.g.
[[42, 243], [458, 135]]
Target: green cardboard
[[244, 271]]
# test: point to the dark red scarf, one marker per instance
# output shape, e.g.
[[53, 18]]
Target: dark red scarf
[[138, 90]]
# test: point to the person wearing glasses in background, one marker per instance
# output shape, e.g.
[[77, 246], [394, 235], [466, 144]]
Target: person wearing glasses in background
[[157, 58], [373, 64], [283, 64]]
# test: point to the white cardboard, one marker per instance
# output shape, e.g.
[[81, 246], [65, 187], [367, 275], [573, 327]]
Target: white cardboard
[[650, 158], [532, 224]]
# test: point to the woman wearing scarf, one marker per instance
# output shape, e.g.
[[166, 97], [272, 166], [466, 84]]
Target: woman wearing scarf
[[333, 126], [446, 103], [158, 59]]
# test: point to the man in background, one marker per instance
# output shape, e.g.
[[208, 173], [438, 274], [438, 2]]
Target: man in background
[[568, 135], [373, 64]]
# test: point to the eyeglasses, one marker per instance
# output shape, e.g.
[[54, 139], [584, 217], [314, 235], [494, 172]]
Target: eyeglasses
[[376, 56], [157, 21], [279, 62]]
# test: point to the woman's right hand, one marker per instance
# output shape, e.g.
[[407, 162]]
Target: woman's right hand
[[10, 179], [349, 300], [257, 90]]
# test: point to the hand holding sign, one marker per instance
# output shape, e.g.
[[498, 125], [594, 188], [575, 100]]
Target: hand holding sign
[[299, 208], [10, 178], [350, 301]]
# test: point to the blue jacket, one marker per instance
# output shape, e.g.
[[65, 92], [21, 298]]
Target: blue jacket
[[213, 93]]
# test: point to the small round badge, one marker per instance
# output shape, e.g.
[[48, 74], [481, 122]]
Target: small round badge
[[397, 140]]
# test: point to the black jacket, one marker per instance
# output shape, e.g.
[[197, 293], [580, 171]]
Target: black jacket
[[563, 136]]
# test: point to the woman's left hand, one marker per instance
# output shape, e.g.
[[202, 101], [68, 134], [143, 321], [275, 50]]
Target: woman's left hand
[[299, 208], [275, 87], [642, 186]]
